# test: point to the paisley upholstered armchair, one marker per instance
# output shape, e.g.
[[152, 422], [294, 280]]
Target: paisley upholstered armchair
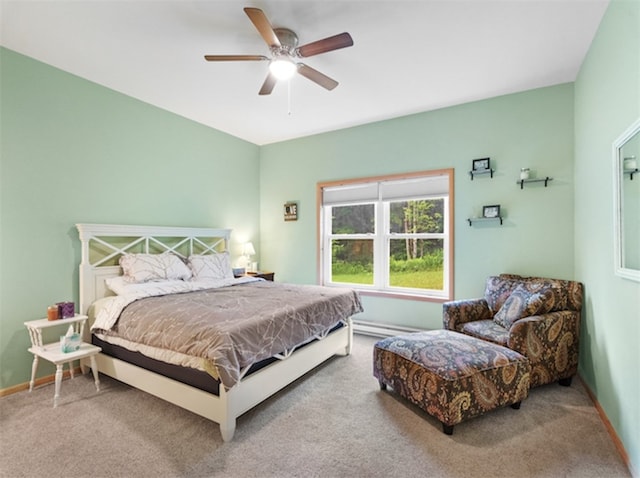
[[535, 316]]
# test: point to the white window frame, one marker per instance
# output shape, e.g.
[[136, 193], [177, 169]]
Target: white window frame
[[382, 236]]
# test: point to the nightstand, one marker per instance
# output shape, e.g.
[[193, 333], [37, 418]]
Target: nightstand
[[262, 275], [52, 352]]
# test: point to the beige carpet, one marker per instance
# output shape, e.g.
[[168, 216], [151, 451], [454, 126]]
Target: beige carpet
[[334, 422]]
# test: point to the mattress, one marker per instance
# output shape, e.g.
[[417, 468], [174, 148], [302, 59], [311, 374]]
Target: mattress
[[194, 377]]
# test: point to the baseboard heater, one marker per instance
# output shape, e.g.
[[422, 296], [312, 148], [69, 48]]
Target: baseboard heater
[[381, 330]]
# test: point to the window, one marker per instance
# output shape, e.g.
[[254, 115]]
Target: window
[[388, 235]]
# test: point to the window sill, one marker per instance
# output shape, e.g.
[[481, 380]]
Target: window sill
[[401, 295]]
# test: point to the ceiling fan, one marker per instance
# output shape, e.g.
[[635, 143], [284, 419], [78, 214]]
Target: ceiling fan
[[285, 52]]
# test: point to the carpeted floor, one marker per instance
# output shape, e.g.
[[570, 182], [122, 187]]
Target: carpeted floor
[[334, 422]]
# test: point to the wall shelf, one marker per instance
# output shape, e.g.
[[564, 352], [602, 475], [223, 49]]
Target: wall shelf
[[630, 172], [546, 180], [481, 172], [483, 219]]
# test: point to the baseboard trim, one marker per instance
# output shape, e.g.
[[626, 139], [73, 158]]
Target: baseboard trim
[[37, 383], [612, 432], [381, 330]]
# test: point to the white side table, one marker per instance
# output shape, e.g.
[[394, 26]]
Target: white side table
[[53, 353]]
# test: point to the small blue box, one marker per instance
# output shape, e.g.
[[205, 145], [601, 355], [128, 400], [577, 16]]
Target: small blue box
[[70, 343]]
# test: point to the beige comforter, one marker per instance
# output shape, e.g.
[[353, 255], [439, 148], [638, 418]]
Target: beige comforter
[[232, 327]]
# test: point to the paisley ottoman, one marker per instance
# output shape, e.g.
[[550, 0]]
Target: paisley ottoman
[[451, 376]]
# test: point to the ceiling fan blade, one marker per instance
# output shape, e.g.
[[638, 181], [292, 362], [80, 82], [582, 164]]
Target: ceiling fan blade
[[260, 21], [317, 77], [235, 57], [267, 87], [335, 42]]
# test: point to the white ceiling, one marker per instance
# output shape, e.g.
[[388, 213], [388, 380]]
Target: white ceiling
[[408, 56]]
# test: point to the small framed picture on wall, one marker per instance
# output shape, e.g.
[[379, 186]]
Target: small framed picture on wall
[[481, 164], [291, 211], [491, 211]]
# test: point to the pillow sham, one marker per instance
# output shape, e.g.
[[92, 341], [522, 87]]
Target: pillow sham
[[153, 267], [211, 266], [522, 303]]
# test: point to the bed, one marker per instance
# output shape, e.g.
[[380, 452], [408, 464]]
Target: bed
[[267, 334]]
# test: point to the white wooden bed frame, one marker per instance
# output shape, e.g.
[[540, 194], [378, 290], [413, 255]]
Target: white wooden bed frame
[[226, 407]]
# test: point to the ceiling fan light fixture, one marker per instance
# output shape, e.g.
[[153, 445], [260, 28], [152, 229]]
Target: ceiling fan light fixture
[[282, 68], [285, 52]]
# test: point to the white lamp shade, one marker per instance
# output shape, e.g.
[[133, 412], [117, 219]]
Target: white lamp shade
[[248, 250]]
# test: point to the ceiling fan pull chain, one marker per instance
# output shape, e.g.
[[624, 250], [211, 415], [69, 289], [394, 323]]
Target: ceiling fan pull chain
[[289, 97]]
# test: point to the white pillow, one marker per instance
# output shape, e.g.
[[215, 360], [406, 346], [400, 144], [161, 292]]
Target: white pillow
[[153, 267], [211, 266], [121, 287]]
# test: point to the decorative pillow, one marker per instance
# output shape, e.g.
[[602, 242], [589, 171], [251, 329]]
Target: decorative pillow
[[211, 266], [153, 267], [522, 303], [497, 290]]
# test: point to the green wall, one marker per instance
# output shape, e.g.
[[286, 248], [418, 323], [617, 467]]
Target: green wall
[[607, 98], [73, 151], [532, 129]]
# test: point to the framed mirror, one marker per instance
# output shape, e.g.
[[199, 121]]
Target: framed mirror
[[626, 159]]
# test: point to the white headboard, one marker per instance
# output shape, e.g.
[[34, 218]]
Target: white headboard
[[103, 244]]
